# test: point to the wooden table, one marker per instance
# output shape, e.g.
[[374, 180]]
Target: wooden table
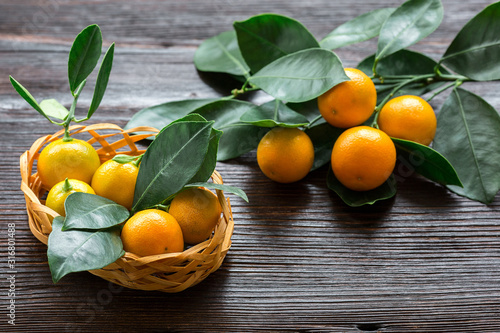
[[301, 260]]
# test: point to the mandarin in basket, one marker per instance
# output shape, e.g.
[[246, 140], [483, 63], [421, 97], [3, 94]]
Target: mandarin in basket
[[67, 158], [197, 210], [60, 191], [150, 232], [116, 181]]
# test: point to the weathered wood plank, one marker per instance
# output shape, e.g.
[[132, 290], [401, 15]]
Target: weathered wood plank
[[425, 261]]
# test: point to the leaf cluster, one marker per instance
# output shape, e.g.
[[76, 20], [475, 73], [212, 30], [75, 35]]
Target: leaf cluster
[[83, 58], [278, 55], [183, 155]]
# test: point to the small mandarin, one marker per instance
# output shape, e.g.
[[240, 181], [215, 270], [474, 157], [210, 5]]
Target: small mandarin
[[349, 103], [75, 159], [59, 192], [285, 155], [116, 181], [408, 117], [151, 232], [363, 158], [197, 210]]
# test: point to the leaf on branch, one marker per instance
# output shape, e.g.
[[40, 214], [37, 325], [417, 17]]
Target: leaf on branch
[[273, 113], [102, 80], [408, 24], [467, 135], [222, 54], [267, 37], [53, 108], [427, 162], [359, 29], [238, 137], [84, 55], [301, 76], [476, 49]]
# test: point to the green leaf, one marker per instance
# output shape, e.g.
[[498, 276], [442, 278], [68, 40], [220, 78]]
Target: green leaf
[[221, 54], [79, 250], [222, 187], [102, 80], [476, 49], [124, 159], [272, 114], [238, 138], [84, 54], [468, 136], [171, 161], [90, 211], [24, 93], [361, 28], [409, 23], [159, 116], [267, 37], [323, 137], [403, 63], [427, 162], [359, 198], [308, 109], [210, 161], [53, 108], [300, 76]]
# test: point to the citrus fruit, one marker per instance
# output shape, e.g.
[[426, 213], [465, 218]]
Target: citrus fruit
[[116, 181], [349, 103], [75, 159], [363, 158], [197, 210], [408, 117], [60, 191], [152, 231], [285, 155]]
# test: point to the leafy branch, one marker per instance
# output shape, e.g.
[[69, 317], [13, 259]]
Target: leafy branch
[[83, 58], [278, 55]]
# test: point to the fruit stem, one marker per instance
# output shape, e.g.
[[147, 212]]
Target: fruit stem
[[66, 186], [313, 121], [138, 160], [449, 85], [71, 114], [67, 137]]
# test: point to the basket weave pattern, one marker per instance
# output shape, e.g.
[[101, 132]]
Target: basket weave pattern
[[171, 272]]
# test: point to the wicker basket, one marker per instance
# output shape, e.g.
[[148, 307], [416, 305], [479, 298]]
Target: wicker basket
[[171, 272]]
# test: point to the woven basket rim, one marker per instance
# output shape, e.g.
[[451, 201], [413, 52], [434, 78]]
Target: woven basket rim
[[156, 272]]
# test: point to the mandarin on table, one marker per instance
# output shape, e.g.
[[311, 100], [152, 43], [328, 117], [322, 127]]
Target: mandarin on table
[[349, 103], [150, 232], [116, 181], [285, 155], [197, 210], [408, 117], [74, 159], [59, 192], [363, 158]]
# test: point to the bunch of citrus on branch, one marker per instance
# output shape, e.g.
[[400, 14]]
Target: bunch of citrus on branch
[[359, 120], [155, 203]]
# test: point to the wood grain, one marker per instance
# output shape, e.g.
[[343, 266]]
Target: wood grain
[[426, 261]]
